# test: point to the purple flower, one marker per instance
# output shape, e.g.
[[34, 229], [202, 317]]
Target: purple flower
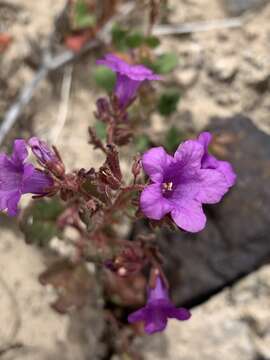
[[210, 162], [158, 309], [129, 77], [18, 177], [181, 184]]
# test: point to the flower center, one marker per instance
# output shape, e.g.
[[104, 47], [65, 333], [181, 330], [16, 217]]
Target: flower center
[[167, 187]]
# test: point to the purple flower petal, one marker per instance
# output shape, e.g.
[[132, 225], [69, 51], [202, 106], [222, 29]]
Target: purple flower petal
[[160, 292], [153, 204], [210, 162], [226, 169], [179, 313], [155, 162], [213, 186], [189, 216], [20, 152], [138, 315], [38, 183], [28, 171], [205, 138], [189, 155], [156, 321], [126, 89], [134, 72], [10, 174], [12, 203]]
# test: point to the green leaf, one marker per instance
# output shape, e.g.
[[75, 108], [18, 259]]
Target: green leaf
[[142, 143], [134, 40], [119, 37], [152, 41], [100, 128], [82, 17], [39, 221], [165, 63], [105, 78], [168, 101], [173, 138]]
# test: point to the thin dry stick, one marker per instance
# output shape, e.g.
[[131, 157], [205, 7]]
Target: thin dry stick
[[63, 108], [201, 26]]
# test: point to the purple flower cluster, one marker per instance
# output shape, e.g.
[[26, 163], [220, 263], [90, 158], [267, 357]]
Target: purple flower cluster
[[18, 177], [183, 182], [158, 310], [129, 77]]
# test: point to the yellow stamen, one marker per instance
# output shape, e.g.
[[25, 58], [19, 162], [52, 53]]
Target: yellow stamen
[[167, 186]]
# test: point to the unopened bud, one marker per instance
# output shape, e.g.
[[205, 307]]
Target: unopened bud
[[103, 108], [137, 167], [47, 156]]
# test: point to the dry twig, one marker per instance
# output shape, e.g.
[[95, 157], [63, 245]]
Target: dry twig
[[200, 26]]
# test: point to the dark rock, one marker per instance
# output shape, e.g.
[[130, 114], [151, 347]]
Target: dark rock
[[236, 239], [237, 7]]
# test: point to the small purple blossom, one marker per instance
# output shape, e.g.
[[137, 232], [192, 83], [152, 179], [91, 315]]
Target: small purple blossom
[[129, 77], [17, 177], [158, 309], [182, 183]]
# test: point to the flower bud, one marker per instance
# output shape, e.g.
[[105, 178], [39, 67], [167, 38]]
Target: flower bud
[[47, 156], [103, 108]]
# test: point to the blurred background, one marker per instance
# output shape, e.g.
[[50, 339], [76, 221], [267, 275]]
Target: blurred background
[[48, 87]]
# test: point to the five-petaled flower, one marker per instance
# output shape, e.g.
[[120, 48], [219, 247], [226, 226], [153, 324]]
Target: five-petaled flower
[[129, 77], [158, 309], [183, 182], [18, 177]]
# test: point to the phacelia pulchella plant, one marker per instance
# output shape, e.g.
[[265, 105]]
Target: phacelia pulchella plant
[[161, 186]]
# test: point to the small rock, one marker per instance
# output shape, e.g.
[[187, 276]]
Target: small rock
[[255, 71], [237, 7], [224, 69], [187, 77]]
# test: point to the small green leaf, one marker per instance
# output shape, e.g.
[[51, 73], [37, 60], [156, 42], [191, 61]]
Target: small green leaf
[[119, 37], [100, 128], [165, 63], [142, 143], [105, 78], [134, 40], [168, 101], [82, 17], [39, 221], [173, 138], [152, 41]]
